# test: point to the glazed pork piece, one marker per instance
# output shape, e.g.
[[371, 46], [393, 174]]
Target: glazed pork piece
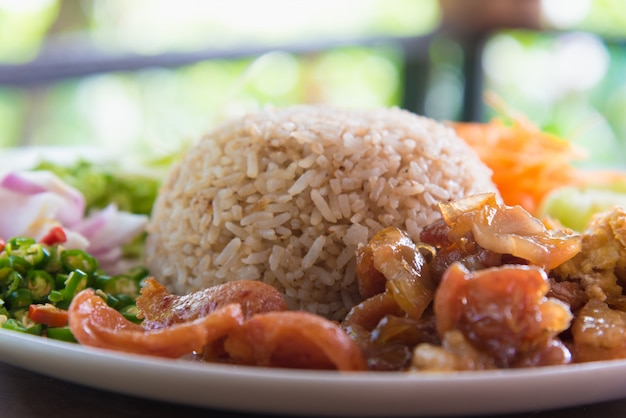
[[488, 286], [172, 326], [294, 339], [503, 313], [472, 294], [242, 322], [159, 308], [96, 324]]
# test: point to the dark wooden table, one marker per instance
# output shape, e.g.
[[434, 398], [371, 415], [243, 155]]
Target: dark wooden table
[[24, 394]]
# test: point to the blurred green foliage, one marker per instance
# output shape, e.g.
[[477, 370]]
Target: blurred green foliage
[[158, 109], [606, 17], [571, 84], [161, 110], [23, 28]]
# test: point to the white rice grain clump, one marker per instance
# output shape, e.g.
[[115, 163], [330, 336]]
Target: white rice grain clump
[[286, 195]]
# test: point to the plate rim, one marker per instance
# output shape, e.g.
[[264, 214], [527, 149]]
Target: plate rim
[[395, 393]]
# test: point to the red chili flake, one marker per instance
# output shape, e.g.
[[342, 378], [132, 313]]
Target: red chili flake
[[55, 236]]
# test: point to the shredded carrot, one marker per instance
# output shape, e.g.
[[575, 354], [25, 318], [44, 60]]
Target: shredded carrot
[[527, 163]]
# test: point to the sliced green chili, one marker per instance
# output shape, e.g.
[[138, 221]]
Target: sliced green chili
[[137, 273], [79, 260], [121, 285], [52, 262], [36, 272], [56, 296], [15, 263], [26, 249], [15, 325], [13, 282], [3, 310], [19, 298], [76, 281], [36, 254], [100, 281], [5, 269], [60, 333], [40, 283], [120, 301], [130, 313], [59, 280], [18, 245]]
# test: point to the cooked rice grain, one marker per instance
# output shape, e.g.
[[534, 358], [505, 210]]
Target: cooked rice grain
[[286, 196]]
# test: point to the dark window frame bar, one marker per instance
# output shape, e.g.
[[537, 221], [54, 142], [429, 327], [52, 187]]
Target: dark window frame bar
[[69, 59]]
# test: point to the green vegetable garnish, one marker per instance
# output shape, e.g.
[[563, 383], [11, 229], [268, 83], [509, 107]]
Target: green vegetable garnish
[[36, 274], [573, 207], [102, 184], [39, 281], [79, 260], [60, 333]]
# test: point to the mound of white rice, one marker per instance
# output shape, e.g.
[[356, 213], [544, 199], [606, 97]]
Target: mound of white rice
[[286, 195]]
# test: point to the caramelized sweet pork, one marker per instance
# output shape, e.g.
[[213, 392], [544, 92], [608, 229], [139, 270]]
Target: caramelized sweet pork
[[508, 230], [599, 333], [503, 312], [472, 294], [159, 308], [96, 324], [293, 340], [488, 286], [394, 278], [242, 322]]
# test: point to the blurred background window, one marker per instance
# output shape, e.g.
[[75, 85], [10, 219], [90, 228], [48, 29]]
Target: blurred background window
[[153, 75], [572, 80]]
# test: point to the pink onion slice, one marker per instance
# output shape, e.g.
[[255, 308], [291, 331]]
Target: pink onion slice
[[34, 202]]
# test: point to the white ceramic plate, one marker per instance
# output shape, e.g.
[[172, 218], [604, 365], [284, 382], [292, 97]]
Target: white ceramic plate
[[292, 392]]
